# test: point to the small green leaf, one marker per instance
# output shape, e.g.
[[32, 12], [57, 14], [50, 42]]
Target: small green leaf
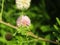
[[23, 30], [45, 28], [58, 21], [55, 26]]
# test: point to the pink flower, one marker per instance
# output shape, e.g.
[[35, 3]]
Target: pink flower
[[23, 20]]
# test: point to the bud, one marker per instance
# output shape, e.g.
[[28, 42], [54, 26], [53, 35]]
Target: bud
[[23, 20], [23, 4], [8, 36]]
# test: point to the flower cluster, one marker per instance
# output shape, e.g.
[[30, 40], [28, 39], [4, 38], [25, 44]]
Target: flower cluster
[[23, 4], [23, 20]]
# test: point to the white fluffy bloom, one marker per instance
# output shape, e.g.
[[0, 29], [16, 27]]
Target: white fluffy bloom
[[24, 21], [23, 4]]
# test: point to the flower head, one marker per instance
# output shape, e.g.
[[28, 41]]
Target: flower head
[[23, 20], [23, 4], [8, 36]]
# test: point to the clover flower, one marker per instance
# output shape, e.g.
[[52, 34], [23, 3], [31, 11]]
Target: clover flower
[[23, 4], [24, 21]]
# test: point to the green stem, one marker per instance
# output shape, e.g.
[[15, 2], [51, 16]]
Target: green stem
[[15, 33], [22, 12], [2, 10]]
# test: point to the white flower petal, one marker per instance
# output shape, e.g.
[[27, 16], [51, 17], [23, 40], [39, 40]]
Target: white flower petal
[[23, 4]]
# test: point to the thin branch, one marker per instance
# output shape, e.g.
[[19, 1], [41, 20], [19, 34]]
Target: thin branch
[[9, 25], [30, 33], [40, 38]]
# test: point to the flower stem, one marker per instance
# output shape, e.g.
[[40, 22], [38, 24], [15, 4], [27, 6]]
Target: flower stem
[[7, 24], [2, 10]]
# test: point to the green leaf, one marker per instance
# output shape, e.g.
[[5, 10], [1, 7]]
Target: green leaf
[[58, 21], [3, 40], [56, 27], [45, 28], [23, 30]]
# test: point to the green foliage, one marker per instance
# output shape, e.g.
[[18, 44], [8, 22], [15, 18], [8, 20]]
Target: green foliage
[[45, 28], [23, 30]]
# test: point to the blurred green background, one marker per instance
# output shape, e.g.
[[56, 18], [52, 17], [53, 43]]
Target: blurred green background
[[44, 15]]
